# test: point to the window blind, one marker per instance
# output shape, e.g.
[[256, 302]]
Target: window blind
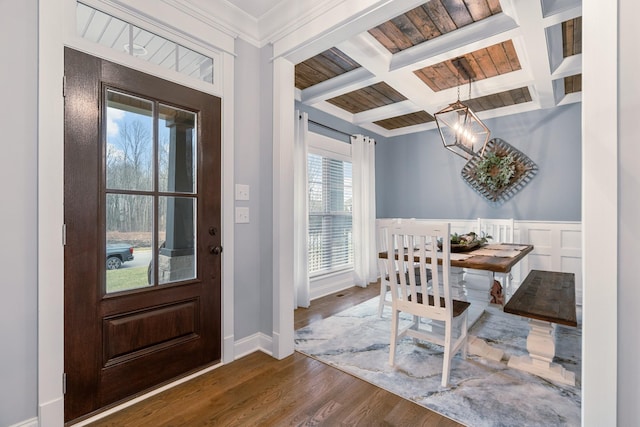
[[330, 207]]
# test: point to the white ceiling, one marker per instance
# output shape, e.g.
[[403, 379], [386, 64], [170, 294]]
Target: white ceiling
[[255, 8], [533, 25]]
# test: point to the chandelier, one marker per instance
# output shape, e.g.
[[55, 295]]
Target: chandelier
[[461, 130]]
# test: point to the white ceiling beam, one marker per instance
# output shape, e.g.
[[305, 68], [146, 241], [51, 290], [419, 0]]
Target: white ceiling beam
[[571, 98], [437, 100], [531, 48], [333, 110], [456, 52], [564, 15], [368, 52], [342, 22], [409, 129], [556, 7], [388, 111], [344, 83], [489, 31], [570, 66]]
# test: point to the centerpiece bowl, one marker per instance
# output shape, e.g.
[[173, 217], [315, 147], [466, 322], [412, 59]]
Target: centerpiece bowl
[[466, 242]]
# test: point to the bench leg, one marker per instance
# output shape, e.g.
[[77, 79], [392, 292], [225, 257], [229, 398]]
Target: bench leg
[[541, 346]]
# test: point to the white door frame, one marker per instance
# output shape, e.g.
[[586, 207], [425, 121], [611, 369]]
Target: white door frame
[[56, 28]]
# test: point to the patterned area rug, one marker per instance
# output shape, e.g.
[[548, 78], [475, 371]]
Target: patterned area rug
[[481, 392]]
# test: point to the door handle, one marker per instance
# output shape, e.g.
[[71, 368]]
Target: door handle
[[216, 250]]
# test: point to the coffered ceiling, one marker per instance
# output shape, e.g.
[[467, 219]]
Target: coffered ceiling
[[500, 56]]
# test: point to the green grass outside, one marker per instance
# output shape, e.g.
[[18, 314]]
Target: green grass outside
[[125, 279]]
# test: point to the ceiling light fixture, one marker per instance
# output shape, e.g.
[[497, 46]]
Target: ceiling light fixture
[[461, 130], [137, 50]]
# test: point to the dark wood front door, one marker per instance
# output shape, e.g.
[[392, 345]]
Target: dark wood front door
[[142, 218]]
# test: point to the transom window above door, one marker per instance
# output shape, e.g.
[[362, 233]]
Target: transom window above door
[[106, 30]]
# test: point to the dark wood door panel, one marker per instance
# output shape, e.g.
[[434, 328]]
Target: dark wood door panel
[[130, 335], [121, 343]]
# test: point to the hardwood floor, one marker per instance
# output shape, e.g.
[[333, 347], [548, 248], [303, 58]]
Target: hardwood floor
[[258, 390]]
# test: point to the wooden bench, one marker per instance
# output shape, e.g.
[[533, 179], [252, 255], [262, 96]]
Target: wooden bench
[[546, 298]]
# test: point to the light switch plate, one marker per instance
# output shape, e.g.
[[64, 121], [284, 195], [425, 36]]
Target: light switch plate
[[242, 192], [242, 215]]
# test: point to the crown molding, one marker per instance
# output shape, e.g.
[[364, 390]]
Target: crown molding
[[286, 17]]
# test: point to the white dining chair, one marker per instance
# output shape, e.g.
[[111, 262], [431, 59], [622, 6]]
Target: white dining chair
[[382, 268], [385, 300], [501, 231], [422, 300]]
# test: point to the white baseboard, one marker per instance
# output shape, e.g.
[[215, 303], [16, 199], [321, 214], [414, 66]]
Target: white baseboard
[[33, 422], [253, 343], [331, 284], [51, 413]]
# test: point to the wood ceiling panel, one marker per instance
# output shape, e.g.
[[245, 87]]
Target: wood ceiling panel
[[411, 119], [481, 10], [423, 23], [324, 66], [573, 84], [572, 37], [458, 12], [489, 62], [440, 17], [499, 100], [374, 96], [432, 19], [494, 6]]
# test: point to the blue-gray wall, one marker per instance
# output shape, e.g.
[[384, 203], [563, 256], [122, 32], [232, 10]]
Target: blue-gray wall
[[416, 177], [628, 351], [253, 158], [18, 212]]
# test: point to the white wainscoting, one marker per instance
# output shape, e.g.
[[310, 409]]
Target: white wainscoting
[[557, 246]]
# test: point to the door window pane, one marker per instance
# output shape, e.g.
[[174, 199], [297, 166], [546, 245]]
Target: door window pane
[[129, 231], [129, 137], [176, 222], [176, 150]]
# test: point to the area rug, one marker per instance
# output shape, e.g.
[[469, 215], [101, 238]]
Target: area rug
[[481, 392]]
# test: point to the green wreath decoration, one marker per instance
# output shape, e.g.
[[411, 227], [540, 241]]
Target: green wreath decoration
[[495, 171]]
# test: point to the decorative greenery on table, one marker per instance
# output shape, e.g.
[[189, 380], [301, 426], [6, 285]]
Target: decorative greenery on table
[[466, 242], [500, 173]]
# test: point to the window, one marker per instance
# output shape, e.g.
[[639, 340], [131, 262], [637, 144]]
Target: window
[[330, 207], [101, 28]]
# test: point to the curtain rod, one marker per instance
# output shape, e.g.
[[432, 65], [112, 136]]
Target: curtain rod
[[333, 129], [330, 128]]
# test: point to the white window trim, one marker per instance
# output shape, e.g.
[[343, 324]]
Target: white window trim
[[335, 280], [329, 147]]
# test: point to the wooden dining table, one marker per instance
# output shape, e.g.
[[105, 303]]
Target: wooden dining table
[[497, 258], [500, 260]]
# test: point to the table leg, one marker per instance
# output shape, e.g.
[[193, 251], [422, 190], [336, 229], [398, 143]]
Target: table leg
[[479, 347], [541, 346], [456, 276], [476, 291]]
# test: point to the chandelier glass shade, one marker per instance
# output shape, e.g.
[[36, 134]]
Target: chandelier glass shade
[[461, 130]]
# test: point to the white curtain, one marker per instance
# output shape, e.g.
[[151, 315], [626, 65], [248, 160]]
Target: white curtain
[[364, 210], [301, 213]]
